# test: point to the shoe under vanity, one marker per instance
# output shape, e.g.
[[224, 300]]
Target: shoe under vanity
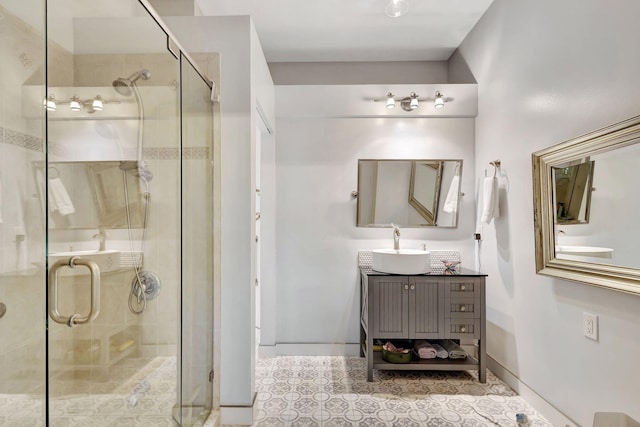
[[431, 306]]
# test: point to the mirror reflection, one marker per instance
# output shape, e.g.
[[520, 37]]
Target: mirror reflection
[[88, 195], [408, 193], [572, 192], [599, 247]]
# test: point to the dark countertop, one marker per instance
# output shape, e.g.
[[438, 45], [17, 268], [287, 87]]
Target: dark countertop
[[461, 272]]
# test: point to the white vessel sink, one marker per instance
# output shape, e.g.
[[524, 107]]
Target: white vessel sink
[[595, 251], [402, 261], [107, 261]]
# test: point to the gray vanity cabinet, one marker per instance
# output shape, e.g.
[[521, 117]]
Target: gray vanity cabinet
[[407, 307], [430, 306]]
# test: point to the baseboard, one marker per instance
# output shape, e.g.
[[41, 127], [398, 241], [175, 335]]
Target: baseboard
[[553, 415], [236, 415], [306, 349]]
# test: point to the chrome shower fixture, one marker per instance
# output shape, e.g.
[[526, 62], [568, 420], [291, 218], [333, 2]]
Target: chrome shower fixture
[[140, 167], [123, 86]]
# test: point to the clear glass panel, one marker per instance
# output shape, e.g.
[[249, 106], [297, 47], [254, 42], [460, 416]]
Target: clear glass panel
[[197, 252], [111, 192], [22, 293]]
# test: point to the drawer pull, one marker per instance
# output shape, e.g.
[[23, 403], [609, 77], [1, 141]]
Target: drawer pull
[[463, 288], [406, 287], [463, 308], [463, 329], [413, 287]]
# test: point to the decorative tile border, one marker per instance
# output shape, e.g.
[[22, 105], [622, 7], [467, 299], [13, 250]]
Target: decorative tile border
[[188, 153], [20, 139]]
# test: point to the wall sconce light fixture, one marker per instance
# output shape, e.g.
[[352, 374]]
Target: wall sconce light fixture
[[412, 102], [97, 103], [391, 102], [408, 103], [76, 104], [49, 103], [439, 101]]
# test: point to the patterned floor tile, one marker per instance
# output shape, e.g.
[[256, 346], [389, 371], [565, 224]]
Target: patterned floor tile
[[333, 392]]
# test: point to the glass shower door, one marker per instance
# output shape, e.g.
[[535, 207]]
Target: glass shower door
[[111, 196]]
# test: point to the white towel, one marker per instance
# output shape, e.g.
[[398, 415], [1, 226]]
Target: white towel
[[59, 199], [490, 200], [451, 202]]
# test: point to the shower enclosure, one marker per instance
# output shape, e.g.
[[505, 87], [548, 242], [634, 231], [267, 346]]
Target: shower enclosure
[[106, 218]]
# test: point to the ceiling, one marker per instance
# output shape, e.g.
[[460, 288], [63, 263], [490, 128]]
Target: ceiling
[[354, 30]]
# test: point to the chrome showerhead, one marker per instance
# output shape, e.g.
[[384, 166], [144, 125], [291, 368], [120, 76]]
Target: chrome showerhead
[[123, 86]]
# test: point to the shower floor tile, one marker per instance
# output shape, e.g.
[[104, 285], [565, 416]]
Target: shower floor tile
[[137, 392]]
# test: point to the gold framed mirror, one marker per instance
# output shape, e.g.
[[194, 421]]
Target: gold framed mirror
[[599, 248]]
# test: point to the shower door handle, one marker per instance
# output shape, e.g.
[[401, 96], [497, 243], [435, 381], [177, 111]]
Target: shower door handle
[[94, 308]]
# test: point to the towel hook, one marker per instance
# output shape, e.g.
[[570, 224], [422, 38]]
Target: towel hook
[[496, 166]]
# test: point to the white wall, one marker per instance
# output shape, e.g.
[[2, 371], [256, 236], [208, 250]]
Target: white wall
[[318, 241], [358, 73], [244, 84], [548, 71]]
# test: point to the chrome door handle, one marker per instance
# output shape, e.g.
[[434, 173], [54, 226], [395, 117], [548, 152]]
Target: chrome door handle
[[94, 308]]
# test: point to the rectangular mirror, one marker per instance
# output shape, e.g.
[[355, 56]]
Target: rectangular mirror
[[599, 248], [89, 195], [408, 193]]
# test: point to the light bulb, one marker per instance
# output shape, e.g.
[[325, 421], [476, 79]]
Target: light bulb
[[74, 105], [439, 103], [396, 8], [414, 101], [97, 103], [50, 103], [391, 103]]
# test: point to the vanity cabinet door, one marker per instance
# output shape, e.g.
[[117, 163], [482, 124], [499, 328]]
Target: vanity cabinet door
[[425, 307], [389, 298]]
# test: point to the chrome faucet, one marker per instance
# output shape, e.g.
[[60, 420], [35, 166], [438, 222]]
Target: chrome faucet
[[102, 238], [396, 237]]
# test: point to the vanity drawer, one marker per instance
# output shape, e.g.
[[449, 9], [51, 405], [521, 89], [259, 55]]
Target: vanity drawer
[[463, 287], [462, 308], [462, 328]]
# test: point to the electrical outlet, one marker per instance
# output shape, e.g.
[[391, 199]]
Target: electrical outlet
[[590, 326]]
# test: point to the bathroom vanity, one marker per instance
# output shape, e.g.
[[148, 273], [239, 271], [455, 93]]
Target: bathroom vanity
[[426, 306]]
